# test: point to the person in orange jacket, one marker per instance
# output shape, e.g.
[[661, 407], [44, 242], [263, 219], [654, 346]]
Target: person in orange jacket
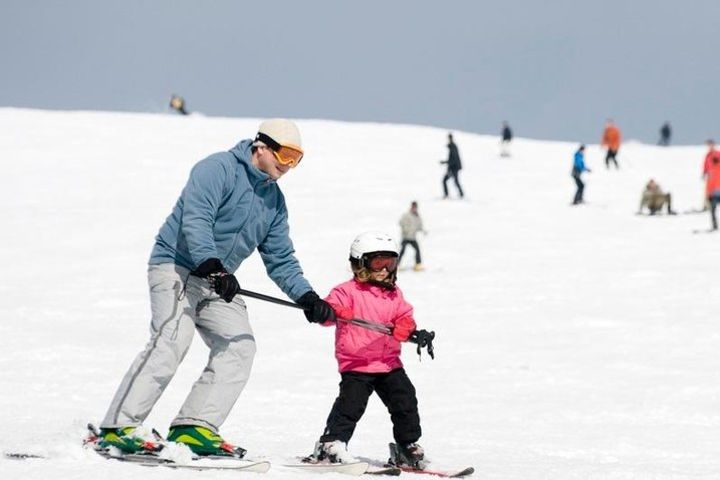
[[611, 140], [711, 153], [712, 188]]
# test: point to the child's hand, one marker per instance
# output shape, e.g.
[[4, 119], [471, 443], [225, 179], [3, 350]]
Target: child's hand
[[346, 313], [403, 328]]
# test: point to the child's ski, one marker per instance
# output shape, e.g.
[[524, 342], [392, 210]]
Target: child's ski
[[354, 468], [440, 473]]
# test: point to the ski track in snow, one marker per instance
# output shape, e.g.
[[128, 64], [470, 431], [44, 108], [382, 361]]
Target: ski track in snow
[[572, 342]]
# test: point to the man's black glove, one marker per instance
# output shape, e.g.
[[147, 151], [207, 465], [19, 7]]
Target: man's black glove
[[316, 309], [423, 338], [225, 284]]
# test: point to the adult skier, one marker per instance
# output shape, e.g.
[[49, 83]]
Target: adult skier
[[712, 188], [655, 199], [230, 207], [453, 167], [611, 140], [577, 170], [410, 224], [507, 137], [665, 134]]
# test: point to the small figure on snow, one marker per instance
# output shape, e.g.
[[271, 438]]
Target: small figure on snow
[[453, 167], [507, 137], [655, 199], [369, 361], [577, 170], [230, 207], [611, 140], [712, 188], [177, 103], [410, 225], [665, 134], [711, 154]]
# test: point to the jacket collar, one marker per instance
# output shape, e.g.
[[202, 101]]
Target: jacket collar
[[243, 152]]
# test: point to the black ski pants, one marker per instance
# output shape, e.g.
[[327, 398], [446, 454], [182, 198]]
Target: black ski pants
[[580, 188], [394, 389], [454, 175], [610, 157], [714, 202], [414, 244]]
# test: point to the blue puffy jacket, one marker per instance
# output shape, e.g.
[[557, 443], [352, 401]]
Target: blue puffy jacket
[[227, 209], [579, 162]]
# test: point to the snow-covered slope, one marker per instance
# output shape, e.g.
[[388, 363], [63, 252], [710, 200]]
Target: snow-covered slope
[[572, 342]]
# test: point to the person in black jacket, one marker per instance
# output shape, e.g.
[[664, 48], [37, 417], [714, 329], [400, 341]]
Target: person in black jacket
[[665, 133], [506, 139], [453, 167]]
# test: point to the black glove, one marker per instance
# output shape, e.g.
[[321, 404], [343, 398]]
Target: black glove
[[423, 338], [225, 284], [316, 309]]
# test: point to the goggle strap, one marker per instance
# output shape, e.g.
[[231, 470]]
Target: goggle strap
[[267, 140]]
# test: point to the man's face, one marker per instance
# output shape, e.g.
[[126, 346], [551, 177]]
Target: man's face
[[268, 163]]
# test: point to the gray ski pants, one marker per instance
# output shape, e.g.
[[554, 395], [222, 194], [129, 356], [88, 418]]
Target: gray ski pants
[[182, 303]]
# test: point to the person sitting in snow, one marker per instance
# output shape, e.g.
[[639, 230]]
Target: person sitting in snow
[[369, 360], [654, 199]]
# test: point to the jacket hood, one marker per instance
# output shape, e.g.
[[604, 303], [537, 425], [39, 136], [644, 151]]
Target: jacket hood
[[243, 152]]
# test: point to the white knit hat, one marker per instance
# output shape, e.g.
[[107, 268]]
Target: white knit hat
[[280, 131]]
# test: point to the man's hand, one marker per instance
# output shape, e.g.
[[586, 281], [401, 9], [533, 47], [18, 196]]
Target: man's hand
[[316, 309], [225, 284]]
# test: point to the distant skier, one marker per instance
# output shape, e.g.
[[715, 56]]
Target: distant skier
[[665, 134], [655, 199], [453, 167], [711, 154], [507, 137], [230, 207], [410, 225], [177, 103], [369, 361], [611, 140], [577, 171], [712, 188]]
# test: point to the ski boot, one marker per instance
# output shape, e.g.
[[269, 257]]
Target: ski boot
[[330, 452], [203, 442], [410, 455], [133, 440]]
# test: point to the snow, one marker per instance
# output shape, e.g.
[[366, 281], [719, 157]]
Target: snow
[[572, 342]]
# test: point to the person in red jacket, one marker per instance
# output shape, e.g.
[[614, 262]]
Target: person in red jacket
[[711, 153], [611, 140], [712, 188], [369, 360]]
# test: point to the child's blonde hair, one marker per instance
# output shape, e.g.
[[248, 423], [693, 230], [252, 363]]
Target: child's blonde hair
[[363, 275]]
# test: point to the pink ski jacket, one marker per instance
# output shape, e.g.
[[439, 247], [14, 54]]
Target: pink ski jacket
[[358, 349]]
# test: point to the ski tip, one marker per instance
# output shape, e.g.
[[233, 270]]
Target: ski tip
[[22, 456]]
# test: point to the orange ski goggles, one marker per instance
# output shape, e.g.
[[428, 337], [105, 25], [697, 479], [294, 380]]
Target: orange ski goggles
[[288, 155], [285, 154]]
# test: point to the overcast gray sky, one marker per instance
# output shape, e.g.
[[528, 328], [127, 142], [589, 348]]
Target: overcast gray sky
[[553, 69]]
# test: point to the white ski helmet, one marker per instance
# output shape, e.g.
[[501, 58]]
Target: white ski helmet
[[370, 242]]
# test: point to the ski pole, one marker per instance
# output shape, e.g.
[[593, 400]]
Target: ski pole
[[384, 329], [355, 321]]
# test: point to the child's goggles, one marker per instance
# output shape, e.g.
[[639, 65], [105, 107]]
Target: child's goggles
[[285, 154], [377, 262]]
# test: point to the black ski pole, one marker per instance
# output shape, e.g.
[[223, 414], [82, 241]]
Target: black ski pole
[[355, 321], [384, 329]]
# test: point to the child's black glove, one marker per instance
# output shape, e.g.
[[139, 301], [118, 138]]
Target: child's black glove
[[423, 339], [316, 309]]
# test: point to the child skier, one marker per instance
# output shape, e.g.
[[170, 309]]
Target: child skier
[[369, 360]]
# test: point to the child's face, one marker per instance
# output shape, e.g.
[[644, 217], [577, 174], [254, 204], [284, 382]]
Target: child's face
[[379, 276]]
